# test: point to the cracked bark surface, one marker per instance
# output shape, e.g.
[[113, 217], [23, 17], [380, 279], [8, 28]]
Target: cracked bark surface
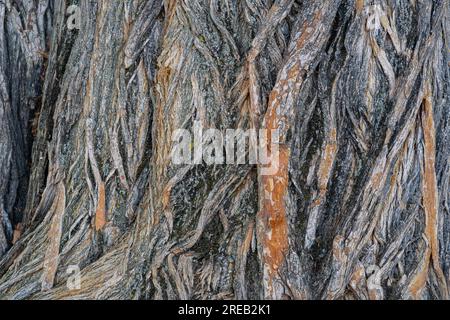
[[359, 91]]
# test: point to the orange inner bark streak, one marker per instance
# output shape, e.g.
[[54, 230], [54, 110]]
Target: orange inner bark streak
[[430, 203], [274, 213], [100, 213]]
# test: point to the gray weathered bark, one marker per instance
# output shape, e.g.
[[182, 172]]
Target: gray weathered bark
[[359, 91]]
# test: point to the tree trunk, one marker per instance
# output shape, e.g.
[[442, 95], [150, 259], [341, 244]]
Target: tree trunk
[[357, 208]]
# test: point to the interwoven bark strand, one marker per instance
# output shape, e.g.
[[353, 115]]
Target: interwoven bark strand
[[92, 91]]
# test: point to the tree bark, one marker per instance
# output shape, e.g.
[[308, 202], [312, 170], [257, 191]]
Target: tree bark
[[358, 91]]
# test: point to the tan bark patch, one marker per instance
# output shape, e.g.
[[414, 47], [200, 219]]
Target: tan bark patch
[[100, 213], [51, 259], [430, 203]]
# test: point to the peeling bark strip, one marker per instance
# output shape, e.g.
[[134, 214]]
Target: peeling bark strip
[[100, 213], [273, 223], [358, 90], [51, 259], [306, 43], [430, 204]]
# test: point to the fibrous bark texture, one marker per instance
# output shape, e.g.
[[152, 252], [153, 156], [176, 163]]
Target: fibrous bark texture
[[359, 93]]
